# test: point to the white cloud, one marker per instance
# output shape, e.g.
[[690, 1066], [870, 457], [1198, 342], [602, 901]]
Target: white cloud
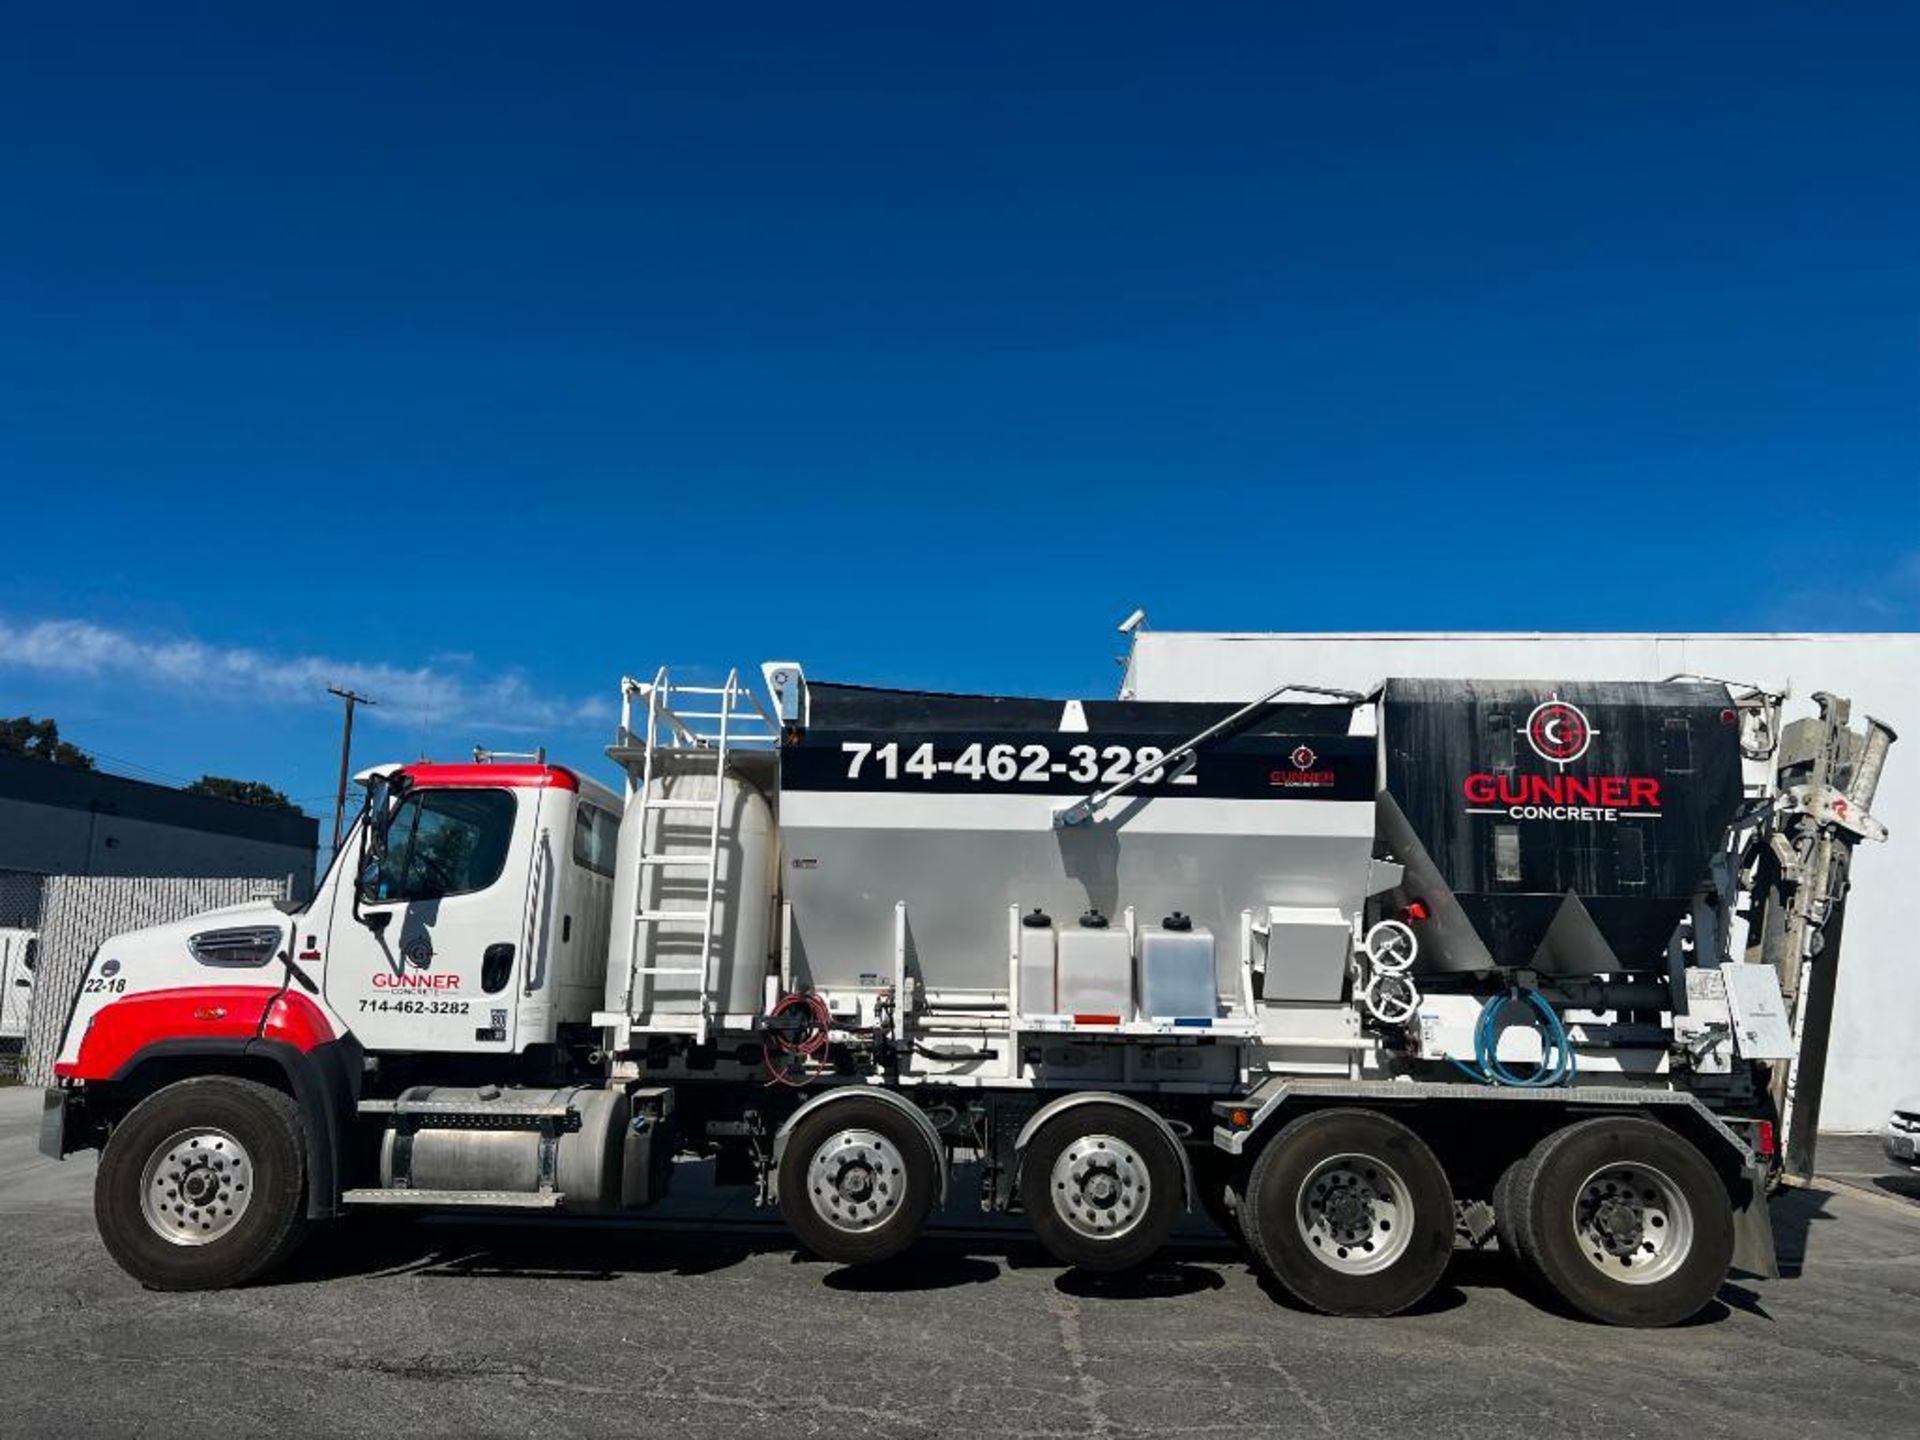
[[445, 691]]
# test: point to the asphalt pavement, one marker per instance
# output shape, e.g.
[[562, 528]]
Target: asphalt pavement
[[712, 1325]]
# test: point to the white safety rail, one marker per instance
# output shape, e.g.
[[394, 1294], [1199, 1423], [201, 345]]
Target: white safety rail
[[705, 720]]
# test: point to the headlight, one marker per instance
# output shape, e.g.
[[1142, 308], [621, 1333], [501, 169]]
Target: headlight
[[241, 946]]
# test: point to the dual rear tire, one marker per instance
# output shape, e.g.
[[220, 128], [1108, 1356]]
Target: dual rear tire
[[1350, 1212], [1620, 1219]]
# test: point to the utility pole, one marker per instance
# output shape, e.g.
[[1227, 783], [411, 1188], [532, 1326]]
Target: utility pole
[[346, 751]]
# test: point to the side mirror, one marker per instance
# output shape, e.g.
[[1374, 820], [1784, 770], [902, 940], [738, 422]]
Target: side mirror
[[377, 920], [375, 816]]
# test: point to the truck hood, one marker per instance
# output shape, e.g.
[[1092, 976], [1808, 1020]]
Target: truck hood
[[158, 957]]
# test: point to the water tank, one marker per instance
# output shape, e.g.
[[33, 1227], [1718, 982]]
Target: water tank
[[1177, 970], [743, 892], [1038, 960], [1095, 974]]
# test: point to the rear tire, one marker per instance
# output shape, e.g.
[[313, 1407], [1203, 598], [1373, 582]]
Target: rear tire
[[203, 1185], [1624, 1221], [1350, 1212], [1506, 1222], [1219, 1181], [1102, 1187], [857, 1181]]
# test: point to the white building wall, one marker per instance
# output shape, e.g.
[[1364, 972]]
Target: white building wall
[[1875, 1053]]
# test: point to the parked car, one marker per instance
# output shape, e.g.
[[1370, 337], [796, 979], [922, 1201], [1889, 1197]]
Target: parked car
[[17, 956], [1902, 1132]]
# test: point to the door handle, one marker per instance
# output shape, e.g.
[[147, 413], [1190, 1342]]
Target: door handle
[[496, 967]]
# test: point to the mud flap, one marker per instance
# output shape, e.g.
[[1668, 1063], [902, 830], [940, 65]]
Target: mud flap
[[1753, 1249], [53, 1124]]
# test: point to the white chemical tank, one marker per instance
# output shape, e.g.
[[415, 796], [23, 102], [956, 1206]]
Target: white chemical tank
[[1095, 974], [1177, 972], [743, 890], [1038, 961]]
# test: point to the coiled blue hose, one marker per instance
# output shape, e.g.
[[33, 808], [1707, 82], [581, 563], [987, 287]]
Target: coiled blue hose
[[1556, 1051]]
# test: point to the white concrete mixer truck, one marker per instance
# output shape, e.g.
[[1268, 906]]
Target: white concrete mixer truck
[[1361, 976]]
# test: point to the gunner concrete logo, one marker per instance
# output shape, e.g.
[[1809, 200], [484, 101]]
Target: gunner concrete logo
[[1307, 772], [1558, 731]]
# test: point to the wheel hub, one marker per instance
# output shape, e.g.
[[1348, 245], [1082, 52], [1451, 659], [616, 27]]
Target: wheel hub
[[1633, 1223], [856, 1180], [1619, 1224], [1355, 1214], [196, 1186], [1100, 1187]]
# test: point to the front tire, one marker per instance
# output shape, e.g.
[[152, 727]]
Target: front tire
[[1102, 1187], [1624, 1221], [1350, 1212], [203, 1185], [857, 1181]]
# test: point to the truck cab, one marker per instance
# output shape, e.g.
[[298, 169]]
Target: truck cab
[[464, 920]]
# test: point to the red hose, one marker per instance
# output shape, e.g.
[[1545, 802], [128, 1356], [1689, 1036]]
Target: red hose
[[808, 1048]]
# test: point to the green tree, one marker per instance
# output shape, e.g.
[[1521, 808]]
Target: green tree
[[40, 740], [244, 792]]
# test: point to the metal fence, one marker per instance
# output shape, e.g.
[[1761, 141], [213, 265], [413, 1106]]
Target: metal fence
[[78, 912], [20, 893]]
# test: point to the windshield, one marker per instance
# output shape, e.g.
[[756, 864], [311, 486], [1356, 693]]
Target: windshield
[[444, 842]]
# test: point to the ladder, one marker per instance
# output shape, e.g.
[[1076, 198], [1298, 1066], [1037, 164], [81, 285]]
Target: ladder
[[723, 719]]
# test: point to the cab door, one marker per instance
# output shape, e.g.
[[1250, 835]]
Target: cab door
[[431, 961]]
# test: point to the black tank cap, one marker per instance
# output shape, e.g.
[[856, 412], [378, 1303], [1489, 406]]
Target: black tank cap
[[1093, 920], [1038, 920], [1177, 921]]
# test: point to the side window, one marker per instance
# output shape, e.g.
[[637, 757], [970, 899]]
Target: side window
[[1500, 741], [446, 842], [595, 835]]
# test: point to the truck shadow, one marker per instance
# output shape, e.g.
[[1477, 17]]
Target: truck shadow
[[1796, 1211], [588, 1251]]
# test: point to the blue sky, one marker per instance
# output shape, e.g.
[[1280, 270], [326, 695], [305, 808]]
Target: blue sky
[[481, 353]]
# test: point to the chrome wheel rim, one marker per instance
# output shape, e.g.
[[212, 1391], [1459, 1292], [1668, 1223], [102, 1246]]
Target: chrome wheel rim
[[1355, 1214], [856, 1181], [1633, 1224], [196, 1186], [1100, 1187]]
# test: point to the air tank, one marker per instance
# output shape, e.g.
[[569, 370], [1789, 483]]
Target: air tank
[[743, 888]]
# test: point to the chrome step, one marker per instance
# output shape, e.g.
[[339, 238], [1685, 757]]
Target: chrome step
[[476, 1199], [503, 1110]]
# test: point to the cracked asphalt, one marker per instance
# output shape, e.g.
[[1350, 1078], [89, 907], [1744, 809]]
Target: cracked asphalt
[[710, 1326]]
